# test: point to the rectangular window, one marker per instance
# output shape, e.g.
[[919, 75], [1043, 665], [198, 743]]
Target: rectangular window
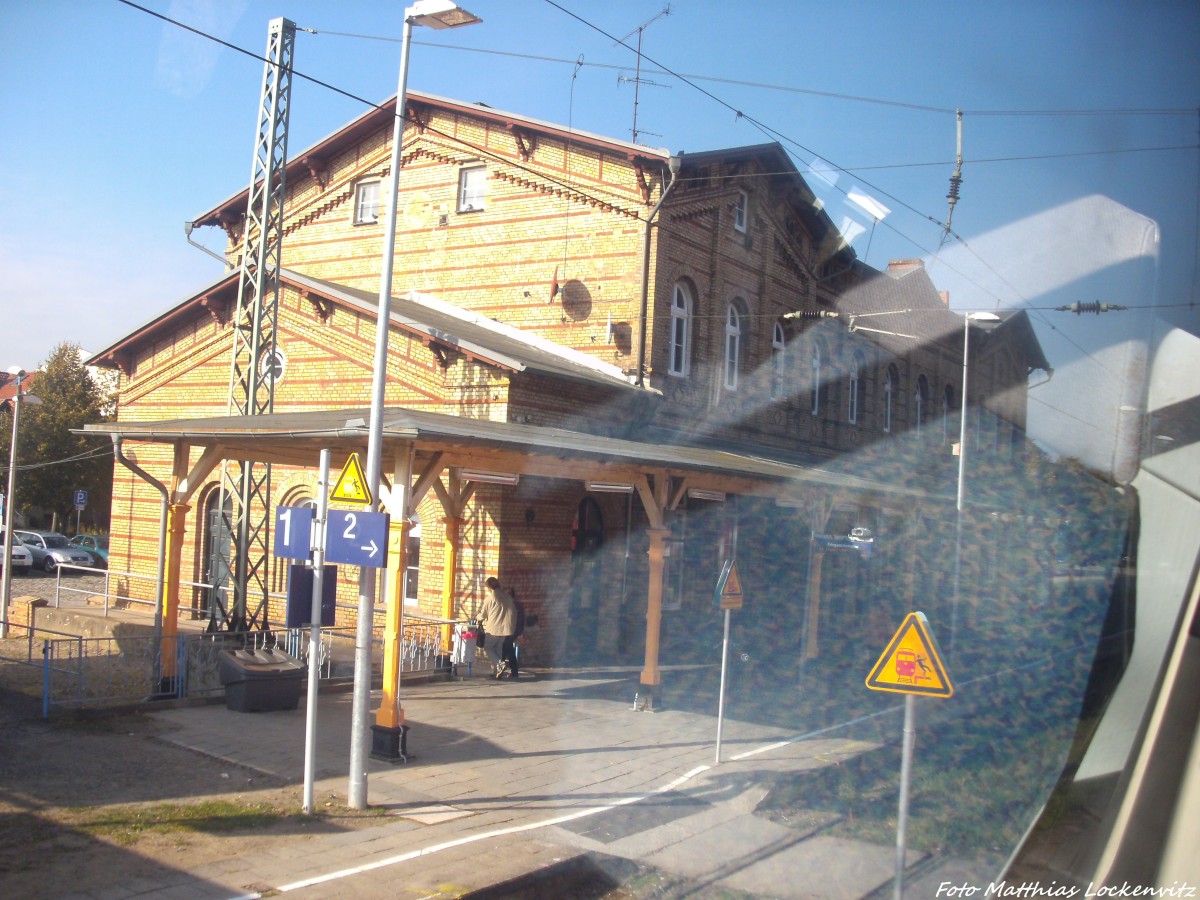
[[741, 212], [367, 203], [472, 188]]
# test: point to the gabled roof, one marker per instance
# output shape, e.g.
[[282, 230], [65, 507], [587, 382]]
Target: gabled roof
[[787, 183], [314, 157], [439, 325], [8, 385], [895, 307]]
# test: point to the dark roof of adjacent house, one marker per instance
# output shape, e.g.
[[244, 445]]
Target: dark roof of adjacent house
[[785, 180], [8, 385]]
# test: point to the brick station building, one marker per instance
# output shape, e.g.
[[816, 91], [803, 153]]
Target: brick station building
[[652, 353]]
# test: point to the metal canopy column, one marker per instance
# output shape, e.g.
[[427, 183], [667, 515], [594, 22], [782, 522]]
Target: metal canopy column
[[252, 371]]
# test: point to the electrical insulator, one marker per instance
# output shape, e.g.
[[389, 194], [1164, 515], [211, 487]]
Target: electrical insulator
[[1095, 307], [811, 314], [955, 182]]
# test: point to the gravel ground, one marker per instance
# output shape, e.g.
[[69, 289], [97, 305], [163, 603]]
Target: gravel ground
[[38, 584]]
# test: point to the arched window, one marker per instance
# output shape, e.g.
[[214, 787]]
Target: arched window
[[947, 405], [681, 332], [816, 375], [733, 346], [778, 362], [412, 562], [922, 400], [856, 389], [890, 384]]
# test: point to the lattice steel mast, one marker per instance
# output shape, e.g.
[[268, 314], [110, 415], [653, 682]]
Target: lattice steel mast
[[252, 370]]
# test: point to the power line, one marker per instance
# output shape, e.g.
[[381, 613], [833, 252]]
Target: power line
[[762, 85], [482, 151]]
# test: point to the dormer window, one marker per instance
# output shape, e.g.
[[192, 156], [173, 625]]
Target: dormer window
[[741, 213], [367, 203], [472, 188]]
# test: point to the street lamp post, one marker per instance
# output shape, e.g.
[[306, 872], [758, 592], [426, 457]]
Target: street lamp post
[[962, 463], [439, 14], [9, 506]]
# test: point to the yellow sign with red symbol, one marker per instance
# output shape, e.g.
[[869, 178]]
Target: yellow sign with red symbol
[[911, 663], [729, 587]]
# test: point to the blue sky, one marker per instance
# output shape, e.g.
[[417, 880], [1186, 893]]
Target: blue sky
[[119, 128]]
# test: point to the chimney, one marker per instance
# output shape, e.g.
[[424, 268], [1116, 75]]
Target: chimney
[[945, 295], [905, 265]]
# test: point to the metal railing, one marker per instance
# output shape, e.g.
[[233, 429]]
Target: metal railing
[[124, 669]]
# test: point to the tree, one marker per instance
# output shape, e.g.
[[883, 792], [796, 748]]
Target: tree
[[52, 461]]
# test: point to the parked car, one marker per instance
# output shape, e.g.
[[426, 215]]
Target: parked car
[[22, 559], [96, 545], [51, 549]]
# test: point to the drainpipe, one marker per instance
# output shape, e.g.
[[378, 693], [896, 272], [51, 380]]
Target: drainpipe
[[674, 164], [162, 528]]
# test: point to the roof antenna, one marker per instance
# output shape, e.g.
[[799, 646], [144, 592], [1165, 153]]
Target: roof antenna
[[637, 78], [955, 181]]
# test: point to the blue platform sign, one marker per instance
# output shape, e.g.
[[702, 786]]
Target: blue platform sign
[[293, 532], [357, 538]]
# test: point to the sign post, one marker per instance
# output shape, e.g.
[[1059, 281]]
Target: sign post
[[354, 537], [314, 634], [910, 665], [727, 596], [81, 499]]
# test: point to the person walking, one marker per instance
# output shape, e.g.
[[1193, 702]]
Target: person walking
[[499, 618]]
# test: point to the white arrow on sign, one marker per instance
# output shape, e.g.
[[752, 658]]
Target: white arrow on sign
[[373, 547]]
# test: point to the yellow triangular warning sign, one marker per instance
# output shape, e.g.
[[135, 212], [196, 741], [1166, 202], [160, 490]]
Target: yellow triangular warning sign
[[731, 593], [351, 486], [911, 663]]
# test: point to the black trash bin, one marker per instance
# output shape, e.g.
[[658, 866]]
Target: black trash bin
[[260, 680]]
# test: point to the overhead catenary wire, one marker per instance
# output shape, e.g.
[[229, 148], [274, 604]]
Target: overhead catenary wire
[[792, 89]]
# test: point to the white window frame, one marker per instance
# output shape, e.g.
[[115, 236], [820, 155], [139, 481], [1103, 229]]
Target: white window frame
[[778, 361], [368, 202], [920, 402], [816, 380], [854, 386], [741, 213], [472, 188], [889, 393], [680, 343], [947, 404], [733, 346], [412, 564]]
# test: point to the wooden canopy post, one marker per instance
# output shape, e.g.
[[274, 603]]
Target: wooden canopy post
[[655, 502]]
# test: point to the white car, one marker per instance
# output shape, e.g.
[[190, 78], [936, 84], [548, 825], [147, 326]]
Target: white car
[[22, 559]]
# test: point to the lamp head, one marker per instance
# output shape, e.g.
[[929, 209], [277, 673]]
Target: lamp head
[[17, 371], [440, 14], [675, 163]]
